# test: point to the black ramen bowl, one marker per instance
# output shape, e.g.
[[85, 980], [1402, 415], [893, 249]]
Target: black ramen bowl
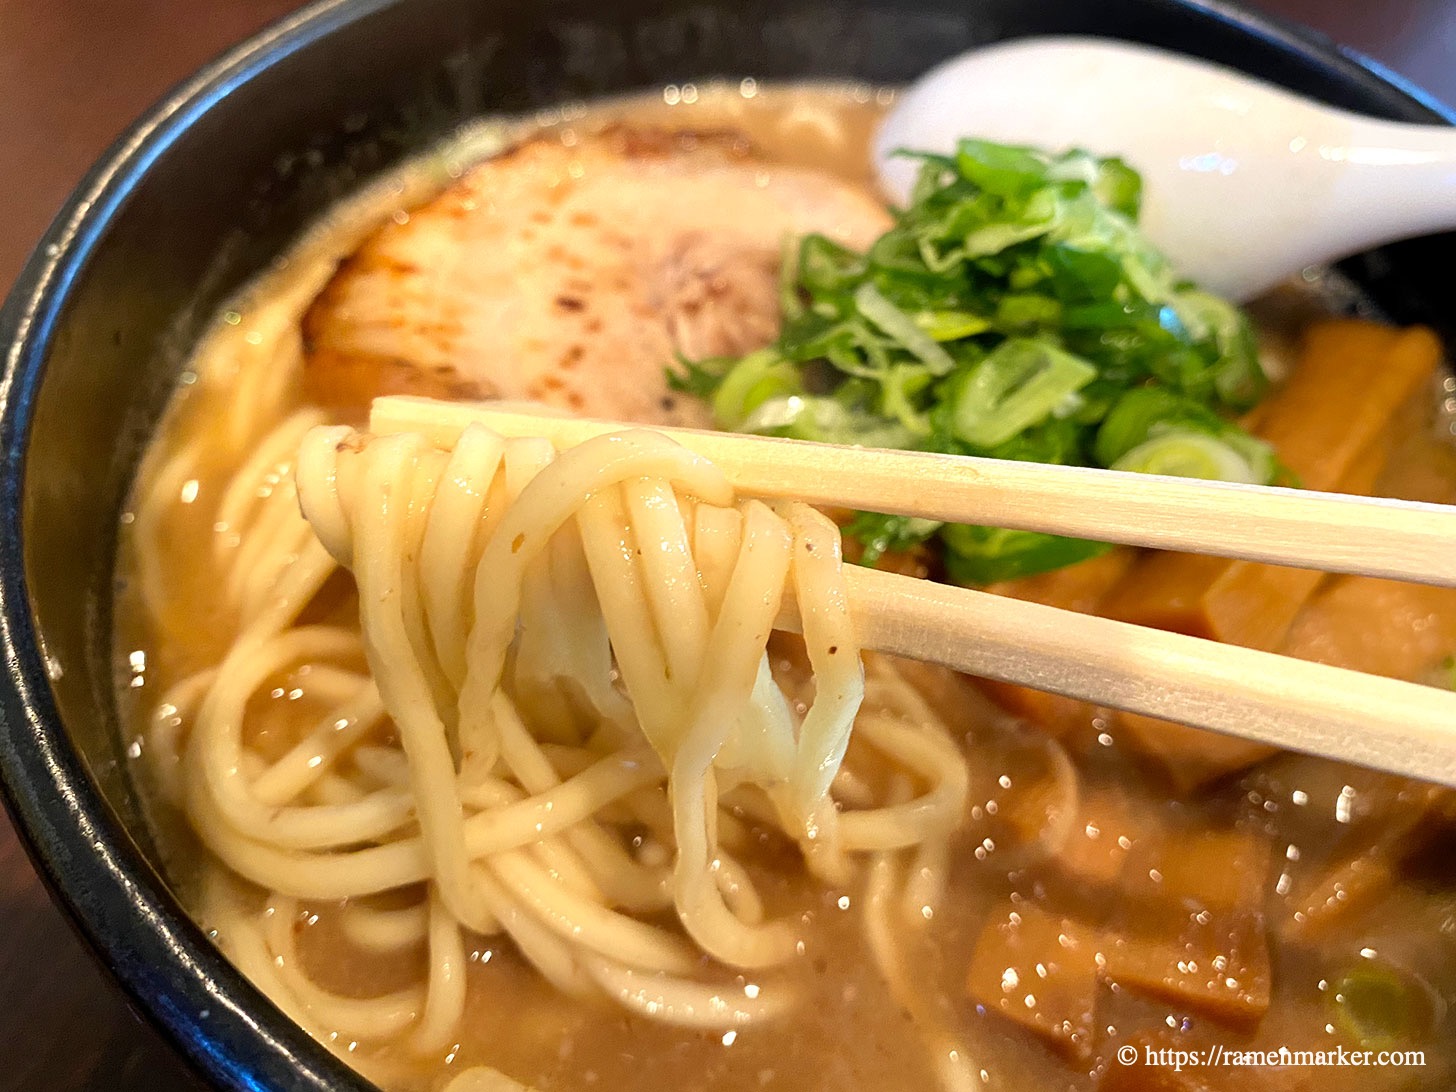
[[207, 189]]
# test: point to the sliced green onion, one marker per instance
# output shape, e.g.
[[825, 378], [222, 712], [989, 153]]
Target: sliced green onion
[[936, 260], [986, 555], [815, 417], [790, 304], [1022, 311], [1148, 414], [1189, 455], [751, 382], [881, 534], [1038, 217], [1115, 183], [1135, 417], [951, 325], [1379, 1005], [872, 304], [1020, 384], [1262, 460], [900, 386], [1238, 377], [824, 265], [1002, 169]]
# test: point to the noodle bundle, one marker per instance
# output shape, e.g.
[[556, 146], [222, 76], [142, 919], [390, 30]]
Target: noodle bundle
[[554, 719]]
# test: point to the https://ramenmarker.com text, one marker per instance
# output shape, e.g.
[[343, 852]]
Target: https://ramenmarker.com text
[[1219, 1055]]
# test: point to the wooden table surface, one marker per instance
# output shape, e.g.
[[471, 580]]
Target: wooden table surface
[[72, 74]]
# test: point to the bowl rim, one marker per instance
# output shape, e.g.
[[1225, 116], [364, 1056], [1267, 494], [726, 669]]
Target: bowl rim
[[169, 970]]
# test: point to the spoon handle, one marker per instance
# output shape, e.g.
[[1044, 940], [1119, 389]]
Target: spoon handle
[[1397, 180], [1269, 204]]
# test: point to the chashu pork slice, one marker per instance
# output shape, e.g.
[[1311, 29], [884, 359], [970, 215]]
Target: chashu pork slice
[[572, 275]]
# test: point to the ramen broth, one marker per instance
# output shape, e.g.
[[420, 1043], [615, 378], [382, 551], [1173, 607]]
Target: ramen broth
[[1087, 845]]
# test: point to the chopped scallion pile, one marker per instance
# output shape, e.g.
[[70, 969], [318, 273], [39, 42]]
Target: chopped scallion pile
[[1014, 311]]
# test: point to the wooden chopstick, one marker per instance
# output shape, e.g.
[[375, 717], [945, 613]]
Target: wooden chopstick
[[1296, 705], [1382, 723], [1330, 532]]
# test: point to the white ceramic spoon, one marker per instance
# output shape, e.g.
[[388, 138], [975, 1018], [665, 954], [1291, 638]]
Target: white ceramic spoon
[[1245, 184]]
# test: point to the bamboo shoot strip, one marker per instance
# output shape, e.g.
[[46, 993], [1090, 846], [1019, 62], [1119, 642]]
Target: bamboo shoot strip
[[1369, 720]]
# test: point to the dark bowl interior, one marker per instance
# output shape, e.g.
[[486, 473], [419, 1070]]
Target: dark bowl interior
[[215, 182]]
